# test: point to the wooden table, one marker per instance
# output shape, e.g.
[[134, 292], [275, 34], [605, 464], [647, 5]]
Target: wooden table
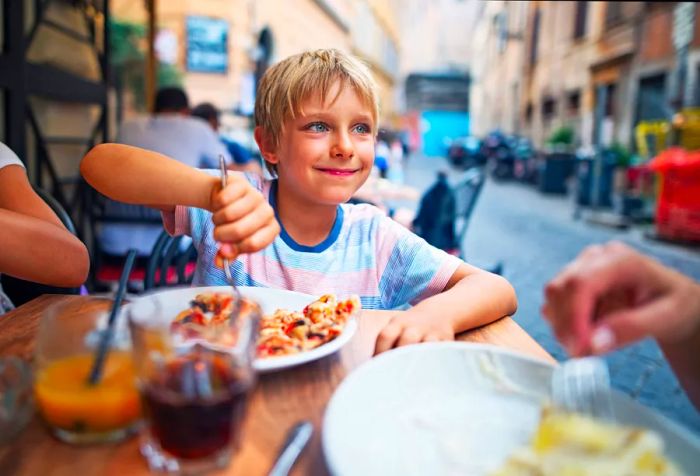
[[279, 401]]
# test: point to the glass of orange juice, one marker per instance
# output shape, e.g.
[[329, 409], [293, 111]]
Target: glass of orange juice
[[74, 410]]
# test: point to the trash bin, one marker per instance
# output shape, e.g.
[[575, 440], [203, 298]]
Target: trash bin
[[553, 172], [678, 202], [585, 170]]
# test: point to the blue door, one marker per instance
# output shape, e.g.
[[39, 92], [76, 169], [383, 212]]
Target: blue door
[[438, 128]]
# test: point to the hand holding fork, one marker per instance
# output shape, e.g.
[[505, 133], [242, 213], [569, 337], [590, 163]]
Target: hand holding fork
[[244, 221]]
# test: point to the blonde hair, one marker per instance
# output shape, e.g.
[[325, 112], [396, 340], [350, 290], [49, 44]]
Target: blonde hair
[[293, 80]]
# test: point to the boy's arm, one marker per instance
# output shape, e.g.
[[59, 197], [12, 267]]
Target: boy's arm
[[133, 175], [243, 219], [475, 297], [471, 298]]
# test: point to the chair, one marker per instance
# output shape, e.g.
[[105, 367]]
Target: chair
[[168, 265], [102, 210], [467, 193], [57, 209], [21, 291]]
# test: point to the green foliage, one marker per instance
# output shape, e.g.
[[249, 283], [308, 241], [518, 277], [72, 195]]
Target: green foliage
[[622, 154], [563, 135], [128, 58], [124, 42]]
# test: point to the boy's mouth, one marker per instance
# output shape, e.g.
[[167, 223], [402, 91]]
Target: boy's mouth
[[338, 172]]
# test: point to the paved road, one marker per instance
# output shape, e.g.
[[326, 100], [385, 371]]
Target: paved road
[[535, 235]]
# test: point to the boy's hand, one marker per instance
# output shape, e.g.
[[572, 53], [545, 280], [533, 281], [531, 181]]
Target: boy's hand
[[244, 222], [411, 328]]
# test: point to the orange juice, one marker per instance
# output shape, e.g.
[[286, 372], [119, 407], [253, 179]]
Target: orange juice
[[68, 403]]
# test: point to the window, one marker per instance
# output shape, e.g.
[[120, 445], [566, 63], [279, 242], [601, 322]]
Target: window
[[651, 98], [610, 101], [502, 26], [535, 37], [580, 20], [549, 107], [573, 102], [613, 14]]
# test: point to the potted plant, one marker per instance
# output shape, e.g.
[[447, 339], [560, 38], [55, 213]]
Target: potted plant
[[561, 139], [558, 161]]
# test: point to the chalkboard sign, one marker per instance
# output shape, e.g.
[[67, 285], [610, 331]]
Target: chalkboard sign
[[207, 44]]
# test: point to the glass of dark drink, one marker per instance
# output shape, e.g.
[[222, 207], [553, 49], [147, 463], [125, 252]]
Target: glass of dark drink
[[194, 385]]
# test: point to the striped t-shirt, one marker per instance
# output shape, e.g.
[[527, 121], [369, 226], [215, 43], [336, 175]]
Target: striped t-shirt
[[366, 253]]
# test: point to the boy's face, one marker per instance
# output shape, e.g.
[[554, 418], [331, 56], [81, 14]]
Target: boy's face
[[327, 152]]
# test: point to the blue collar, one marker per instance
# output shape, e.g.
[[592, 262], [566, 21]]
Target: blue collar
[[322, 246]]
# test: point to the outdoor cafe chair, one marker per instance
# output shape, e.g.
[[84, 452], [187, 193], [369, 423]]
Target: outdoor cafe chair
[[100, 210], [467, 193], [168, 264]]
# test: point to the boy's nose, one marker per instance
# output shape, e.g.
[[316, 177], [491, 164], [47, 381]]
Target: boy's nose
[[342, 149]]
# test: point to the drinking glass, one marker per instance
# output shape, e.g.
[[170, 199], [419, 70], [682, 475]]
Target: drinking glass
[[74, 410], [15, 397], [194, 388]]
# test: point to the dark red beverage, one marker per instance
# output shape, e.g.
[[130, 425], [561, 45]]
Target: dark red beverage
[[195, 405]]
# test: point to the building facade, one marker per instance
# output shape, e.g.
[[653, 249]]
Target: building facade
[[565, 58], [433, 91], [260, 33], [497, 66]]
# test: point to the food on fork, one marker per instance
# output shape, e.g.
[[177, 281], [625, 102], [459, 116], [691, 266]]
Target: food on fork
[[569, 443], [282, 333], [220, 258]]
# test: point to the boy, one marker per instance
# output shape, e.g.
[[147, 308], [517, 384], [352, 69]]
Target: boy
[[316, 116]]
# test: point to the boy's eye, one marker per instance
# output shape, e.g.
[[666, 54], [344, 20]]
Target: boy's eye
[[362, 129], [317, 127]]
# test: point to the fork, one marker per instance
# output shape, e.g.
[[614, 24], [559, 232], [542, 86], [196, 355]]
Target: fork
[[583, 386], [226, 263]]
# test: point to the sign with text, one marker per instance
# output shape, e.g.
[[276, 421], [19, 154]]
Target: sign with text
[[207, 44]]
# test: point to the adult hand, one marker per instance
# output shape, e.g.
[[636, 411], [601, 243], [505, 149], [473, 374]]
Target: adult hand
[[611, 296], [244, 222], [411, 328]]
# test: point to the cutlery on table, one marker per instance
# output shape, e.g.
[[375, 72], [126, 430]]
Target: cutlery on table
[[582, 385], [294, 444], [226, 262]]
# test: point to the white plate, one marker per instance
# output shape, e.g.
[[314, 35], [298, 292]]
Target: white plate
[[454, 409], [173, 301]]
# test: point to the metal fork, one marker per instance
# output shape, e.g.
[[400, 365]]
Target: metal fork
[[226, 263], [583, 386]]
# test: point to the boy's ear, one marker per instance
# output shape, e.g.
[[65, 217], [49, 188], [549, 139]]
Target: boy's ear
[[266, 145]]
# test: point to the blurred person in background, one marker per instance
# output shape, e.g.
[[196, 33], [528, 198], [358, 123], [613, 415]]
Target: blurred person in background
[[173, 132], [611, 296], [382, 154], [34, 244], [242, 159], [435, 220], [396, 159]]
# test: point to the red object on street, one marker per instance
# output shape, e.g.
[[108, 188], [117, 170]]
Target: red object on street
[[678, 204]]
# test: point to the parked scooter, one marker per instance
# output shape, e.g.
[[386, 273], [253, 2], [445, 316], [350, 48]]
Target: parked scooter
[[525, 163], [498, 150]]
